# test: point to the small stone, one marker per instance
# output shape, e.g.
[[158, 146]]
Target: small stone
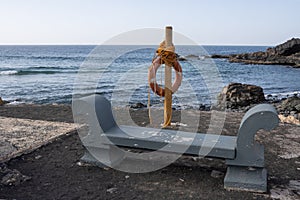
[[216, 174], [293, 113], [195, 159], [202, 107], [38, 157], [138, 106], [298, 107], [182, 58], [14, 178], [112, 190], [3, 168], [251, 169], [127, 177], [279, 193], [182, 180], [84, 164], [294, 185]]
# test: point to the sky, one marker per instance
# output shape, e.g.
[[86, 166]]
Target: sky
[[207, 22]]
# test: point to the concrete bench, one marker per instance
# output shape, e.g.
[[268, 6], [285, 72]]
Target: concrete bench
[[243, 155]]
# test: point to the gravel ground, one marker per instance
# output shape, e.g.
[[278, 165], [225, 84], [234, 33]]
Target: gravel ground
[[53, 171]]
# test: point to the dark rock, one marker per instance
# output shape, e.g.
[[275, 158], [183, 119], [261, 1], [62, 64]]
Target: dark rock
[[297, 107], [138, 106], [286, 49], [6, 148], [112, 190], [192, 56], [181, 58], [3, 169], [202, 107], [216, 174], [287, 53], [238, 95], [219, 56], [11, 177], [289, 105]]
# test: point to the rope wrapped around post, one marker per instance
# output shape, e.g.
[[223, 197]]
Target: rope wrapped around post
[[164, 55], [167, 54]]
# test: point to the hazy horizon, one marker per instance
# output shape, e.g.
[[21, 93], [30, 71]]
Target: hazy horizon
[[91, 22], [53, 44]]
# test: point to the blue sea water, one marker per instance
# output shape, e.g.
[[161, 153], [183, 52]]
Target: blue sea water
[[47, 74]]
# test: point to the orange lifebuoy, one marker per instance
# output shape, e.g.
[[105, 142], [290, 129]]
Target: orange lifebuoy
[[152, 77]]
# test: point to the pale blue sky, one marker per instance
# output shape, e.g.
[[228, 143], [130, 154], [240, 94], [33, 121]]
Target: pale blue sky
[[215, 22]]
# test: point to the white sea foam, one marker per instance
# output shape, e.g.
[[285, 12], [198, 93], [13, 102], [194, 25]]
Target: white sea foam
[[9, 72], [16, 103], [284, 94]]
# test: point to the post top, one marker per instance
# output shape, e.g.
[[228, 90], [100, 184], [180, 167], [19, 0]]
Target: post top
[[168, 27]]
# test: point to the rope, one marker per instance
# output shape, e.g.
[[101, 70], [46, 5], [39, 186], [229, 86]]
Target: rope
[[149, 95], [167, 54], [149, 104]]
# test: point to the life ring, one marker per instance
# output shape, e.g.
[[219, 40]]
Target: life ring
[[152, 77]]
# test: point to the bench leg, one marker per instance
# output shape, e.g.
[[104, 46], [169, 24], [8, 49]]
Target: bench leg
[[104, 156], [245, 178], [246, 171]]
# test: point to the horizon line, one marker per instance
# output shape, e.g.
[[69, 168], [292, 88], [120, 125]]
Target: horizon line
[[94, 44]]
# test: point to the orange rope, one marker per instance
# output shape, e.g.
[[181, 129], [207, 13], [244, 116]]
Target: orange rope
[[168, 57], [149, 105]]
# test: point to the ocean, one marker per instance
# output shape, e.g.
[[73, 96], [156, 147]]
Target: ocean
[[49, 74]]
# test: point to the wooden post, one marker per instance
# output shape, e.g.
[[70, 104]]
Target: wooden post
[[168, 83]]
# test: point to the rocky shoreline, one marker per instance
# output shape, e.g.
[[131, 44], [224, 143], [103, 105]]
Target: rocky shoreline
[[241, 97], [287, 53], [238, 97]]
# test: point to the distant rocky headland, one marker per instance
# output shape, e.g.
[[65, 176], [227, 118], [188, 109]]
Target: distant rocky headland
[[287, 53]]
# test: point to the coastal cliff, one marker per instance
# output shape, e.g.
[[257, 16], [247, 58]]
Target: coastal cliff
[[287, 53]]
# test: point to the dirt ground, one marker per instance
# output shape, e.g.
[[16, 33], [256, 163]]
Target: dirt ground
[[53, 171]]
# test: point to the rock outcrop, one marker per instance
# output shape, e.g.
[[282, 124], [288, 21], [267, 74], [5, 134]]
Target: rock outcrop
[[289, 110], [287, 53], [240, 96], [286, 49], [289, 105]]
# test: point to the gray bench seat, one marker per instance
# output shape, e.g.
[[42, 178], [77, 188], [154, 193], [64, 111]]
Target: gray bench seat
[[219, 146]]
